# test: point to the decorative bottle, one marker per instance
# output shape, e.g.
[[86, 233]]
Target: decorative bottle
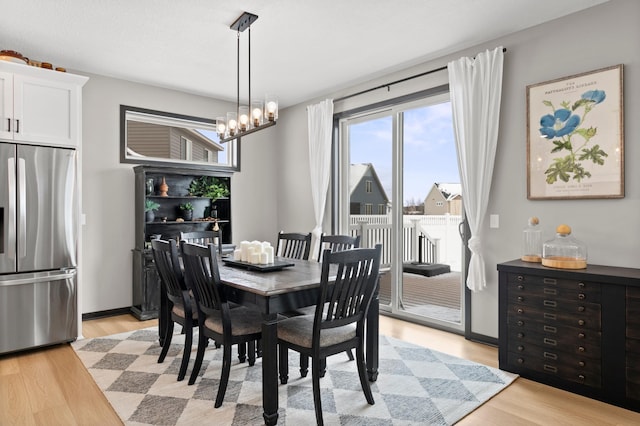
[[532, 242], [164, 188]]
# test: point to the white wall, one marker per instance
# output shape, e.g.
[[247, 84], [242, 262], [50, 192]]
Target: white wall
[[108, 193], [596, 38]]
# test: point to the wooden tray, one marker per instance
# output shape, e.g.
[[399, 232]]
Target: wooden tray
[[564, 262], [275, 266]]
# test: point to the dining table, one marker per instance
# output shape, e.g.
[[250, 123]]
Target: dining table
[[277, 291]]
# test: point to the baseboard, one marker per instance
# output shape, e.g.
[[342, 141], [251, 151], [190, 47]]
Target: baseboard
[[107, 313], [481, 338]]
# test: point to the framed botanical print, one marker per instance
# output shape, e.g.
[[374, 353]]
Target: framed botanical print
[[575, 136]]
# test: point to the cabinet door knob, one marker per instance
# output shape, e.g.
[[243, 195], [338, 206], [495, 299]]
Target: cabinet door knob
[[520, 348], [520, 299], [581, 349], [520, 287], [520, 278], [581, 335], [520, 335], [520, 310], [582, 296], [581, 285], [520, 323], [581, 377], [581, 363], [581, 308], [8, 124], [581, 322], [520, 361]]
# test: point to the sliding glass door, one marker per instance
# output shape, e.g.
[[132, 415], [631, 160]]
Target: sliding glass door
[[399, 186]]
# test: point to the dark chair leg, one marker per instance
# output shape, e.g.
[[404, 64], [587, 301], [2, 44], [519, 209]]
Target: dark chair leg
[[283, 352], [202, 344], [259, 348], [362, 372], [251, 352], [242, 352], [186, 353], [350, 354], [323, 367], [166, 342], [315, 377], [224, 376], [304, 365]]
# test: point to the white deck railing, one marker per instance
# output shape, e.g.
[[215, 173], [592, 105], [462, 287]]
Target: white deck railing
[[436, 237]]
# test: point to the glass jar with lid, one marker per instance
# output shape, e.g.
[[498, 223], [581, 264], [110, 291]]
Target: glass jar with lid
[[564, 251], [532, 242]]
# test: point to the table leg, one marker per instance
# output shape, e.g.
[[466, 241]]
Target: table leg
[[372, 336], [270, 368]]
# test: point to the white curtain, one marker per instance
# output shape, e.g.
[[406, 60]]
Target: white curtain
[[476, 89], [320, 124]]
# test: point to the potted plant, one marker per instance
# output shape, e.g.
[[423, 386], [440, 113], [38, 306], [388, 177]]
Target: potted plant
[[187, 211], [150, 207]]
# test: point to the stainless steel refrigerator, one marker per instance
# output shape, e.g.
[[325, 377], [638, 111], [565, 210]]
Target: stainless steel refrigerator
[[38, 238]]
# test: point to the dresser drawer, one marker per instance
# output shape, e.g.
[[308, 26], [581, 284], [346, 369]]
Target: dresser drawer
[[561, 370], [588, 345], [585, 315], [525, 285]]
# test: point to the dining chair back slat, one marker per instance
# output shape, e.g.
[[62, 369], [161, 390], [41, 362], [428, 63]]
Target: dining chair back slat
[[204, 238]]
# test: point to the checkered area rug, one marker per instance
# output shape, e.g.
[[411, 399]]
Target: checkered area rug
[[415, 386]]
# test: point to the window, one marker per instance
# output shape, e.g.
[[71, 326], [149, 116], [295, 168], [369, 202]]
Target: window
[[368, 186], [382, 209], [439, 203], [368, 208], [186, 148]]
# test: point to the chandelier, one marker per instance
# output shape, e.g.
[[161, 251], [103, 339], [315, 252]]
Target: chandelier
[[255, 114]]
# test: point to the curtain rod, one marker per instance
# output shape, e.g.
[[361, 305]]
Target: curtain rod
[[402, 80]]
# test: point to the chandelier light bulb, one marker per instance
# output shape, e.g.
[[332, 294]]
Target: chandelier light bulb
[[243, 114]]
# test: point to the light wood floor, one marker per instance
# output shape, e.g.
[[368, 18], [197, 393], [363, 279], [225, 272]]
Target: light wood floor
[[51, 386]]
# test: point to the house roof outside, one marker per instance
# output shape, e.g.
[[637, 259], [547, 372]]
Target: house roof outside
[[449, 191], [358, 171]]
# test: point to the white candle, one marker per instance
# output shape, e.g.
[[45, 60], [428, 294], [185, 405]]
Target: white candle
[[264, 258], [237, 254], [269, 252], [254, 257]]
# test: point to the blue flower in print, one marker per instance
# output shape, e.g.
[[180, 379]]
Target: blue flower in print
[[561, 123], [596, 96]]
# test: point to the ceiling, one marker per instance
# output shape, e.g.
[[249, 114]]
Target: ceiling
[[300, 49]]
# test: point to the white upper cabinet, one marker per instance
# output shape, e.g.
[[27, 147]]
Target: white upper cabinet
[[40, 106]]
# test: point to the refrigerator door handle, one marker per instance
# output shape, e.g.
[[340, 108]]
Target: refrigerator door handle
[[51, 276], [22, 208], [11, 178]]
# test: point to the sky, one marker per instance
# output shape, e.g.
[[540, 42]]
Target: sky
[[429, 149]]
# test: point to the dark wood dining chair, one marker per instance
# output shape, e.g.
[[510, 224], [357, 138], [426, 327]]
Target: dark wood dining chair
[[337, 243], [204, 238], [293, 245], [219, 322], [333, 243], [181, 307], [338, 323]]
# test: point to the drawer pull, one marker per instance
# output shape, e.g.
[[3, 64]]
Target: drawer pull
[[581, 285], [520, 278], [550, 303], [581, 309], [549, 316], [520, 348], [552, 291], [581, 296], [520, 310], [581, 335], [550, 368], [581, 364], [520, 323], [581, 349], [581, 322], [548, 341], [520, 335], [520, 287], [581, 377], [549, 281], [520, 360], [520, 299], [550, 355], [550, 329]]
